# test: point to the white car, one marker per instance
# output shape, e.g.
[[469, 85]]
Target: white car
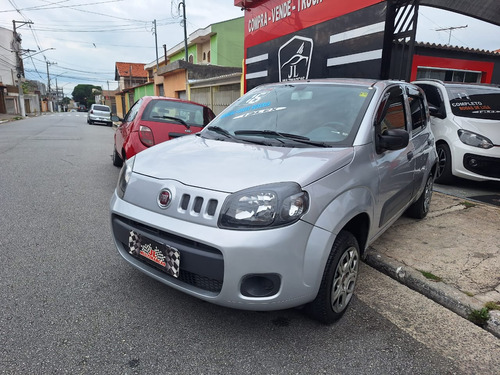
[[466, 123], [99, 113]]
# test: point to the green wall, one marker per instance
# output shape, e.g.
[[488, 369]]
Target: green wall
[[146, 90], [192, 50], [227, 44]]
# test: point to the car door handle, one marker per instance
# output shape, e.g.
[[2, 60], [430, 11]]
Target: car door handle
[[409, 155]]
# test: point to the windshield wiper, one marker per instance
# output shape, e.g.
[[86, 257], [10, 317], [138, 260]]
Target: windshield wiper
[[225, 133], [175, 119], [288, 136], [222, 131]]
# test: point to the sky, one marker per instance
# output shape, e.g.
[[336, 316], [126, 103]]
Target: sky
[[80, 41]]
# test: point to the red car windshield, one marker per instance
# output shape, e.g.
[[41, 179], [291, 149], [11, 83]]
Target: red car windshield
[[475, 101], [168, 111]]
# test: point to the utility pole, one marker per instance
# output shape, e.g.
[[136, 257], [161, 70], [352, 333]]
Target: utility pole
[[183, 3], [156, 45], [57, 97], [49, 94], [19, 65], [450, 29]]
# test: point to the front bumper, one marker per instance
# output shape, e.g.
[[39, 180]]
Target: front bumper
[[216, 265], [474, 163]]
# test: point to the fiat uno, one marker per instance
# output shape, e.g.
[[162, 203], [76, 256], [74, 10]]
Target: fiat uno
[[272, 205]]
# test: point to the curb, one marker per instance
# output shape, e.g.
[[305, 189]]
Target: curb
[[445, 295]]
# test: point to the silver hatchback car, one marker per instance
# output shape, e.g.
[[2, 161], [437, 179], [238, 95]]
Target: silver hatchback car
[[99, 113], [272, 205]]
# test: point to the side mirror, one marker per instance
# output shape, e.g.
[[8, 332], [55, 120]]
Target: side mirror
[[393, 139], [436, 112], [115, 118]]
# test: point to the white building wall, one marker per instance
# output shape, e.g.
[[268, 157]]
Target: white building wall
[[7, 58]]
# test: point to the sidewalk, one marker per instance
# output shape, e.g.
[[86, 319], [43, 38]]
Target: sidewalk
[[4, 117], [458, 245]]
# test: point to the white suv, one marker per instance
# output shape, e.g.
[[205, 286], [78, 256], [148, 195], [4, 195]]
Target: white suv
[[466, 123]]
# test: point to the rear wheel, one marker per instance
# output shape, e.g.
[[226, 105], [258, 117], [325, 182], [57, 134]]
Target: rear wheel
[[420, 208], [339, 280], [117, 160], [443, 171]]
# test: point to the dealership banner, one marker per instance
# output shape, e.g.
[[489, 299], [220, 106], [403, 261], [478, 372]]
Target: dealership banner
[[307, 39]]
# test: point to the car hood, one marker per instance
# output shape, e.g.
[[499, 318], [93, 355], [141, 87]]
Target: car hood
[[229, 167], [487, 128]]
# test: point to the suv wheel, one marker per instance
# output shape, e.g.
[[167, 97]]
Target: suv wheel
[[420, 208], [339, 280], [443, 171]]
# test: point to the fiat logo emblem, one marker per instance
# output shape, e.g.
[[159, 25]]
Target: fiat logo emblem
[[164, 198]]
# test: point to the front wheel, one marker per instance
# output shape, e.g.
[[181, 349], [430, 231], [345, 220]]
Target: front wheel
[[443, 172], [338, 282]]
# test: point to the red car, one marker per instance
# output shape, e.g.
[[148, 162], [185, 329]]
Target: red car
[[156, 119]]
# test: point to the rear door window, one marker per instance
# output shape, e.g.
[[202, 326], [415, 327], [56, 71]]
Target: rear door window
[[418, 114], [102, 108]]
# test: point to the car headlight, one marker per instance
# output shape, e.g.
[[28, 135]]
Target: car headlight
[[264, 207], [473, 139], [124, 177]]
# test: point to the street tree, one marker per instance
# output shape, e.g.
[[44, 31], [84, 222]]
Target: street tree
[[84, 94]]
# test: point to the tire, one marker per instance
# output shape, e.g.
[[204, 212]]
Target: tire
[[420, 208], [338, 282], [443, 172], [117, 160]]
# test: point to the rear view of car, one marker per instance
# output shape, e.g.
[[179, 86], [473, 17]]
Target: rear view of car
[[99, 113], [466, 123], [153, 120]]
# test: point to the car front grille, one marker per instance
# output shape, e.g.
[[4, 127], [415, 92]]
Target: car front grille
[[201, 266], [482, 165]]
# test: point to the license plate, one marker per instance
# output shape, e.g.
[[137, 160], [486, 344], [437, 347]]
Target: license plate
[[165, 257]]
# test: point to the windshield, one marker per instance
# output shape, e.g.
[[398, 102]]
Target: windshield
[[475, 101], [298, 115]]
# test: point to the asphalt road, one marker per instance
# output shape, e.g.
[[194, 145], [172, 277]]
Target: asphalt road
[[70, 305]]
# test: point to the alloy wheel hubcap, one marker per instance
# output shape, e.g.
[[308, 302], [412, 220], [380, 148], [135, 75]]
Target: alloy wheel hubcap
[[428, 193], [441, 162], [344, 279]]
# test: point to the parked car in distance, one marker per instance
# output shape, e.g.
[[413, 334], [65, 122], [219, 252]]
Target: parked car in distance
[[82, 108], [99, 113], [156, 119], [465, 120], [272, 205]]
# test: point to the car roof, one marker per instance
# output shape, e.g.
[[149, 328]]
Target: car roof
[[150, 97], [342, 81], [454, 83]]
